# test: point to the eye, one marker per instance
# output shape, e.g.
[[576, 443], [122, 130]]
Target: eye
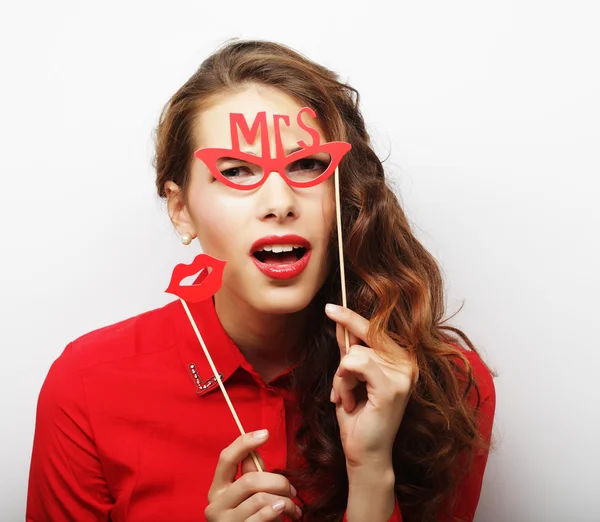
[[234, 168], [236, 172], [308, 165]]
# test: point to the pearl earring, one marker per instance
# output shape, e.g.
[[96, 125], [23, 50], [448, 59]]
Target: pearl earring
[[186, 239]]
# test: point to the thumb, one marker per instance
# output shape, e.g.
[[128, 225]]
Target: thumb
[[248, 463], [347, 320]]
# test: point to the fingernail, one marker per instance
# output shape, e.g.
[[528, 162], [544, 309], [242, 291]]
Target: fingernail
[[332, 396], [293, 490], [279, 505], [332, 309], [260, 434]]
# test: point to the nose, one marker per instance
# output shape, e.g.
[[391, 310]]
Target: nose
[[277, 201]]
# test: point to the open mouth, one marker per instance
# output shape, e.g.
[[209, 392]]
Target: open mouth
[[280, 254]]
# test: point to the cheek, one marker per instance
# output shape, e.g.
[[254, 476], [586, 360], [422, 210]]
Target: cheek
[[328, 206], [218, 221]]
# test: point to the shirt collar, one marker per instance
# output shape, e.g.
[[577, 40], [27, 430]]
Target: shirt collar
[[223, 351]]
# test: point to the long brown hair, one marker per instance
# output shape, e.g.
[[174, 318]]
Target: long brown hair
[[391, 279]]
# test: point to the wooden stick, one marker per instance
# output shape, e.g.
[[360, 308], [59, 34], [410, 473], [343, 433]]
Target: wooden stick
[[338, 211], [218, 377]]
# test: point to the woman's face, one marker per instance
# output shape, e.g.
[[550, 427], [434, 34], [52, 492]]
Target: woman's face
[[247, 228]]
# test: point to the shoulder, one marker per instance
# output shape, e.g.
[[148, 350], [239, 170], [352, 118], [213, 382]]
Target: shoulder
[[482, 377], [147, 332]]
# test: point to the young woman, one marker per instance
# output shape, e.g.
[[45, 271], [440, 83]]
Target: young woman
[[131, 425]]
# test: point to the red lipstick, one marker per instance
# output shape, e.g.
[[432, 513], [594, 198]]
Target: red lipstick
[[289, 266]]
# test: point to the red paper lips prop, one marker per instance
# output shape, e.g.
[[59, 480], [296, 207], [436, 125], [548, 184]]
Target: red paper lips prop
[[206, 284]]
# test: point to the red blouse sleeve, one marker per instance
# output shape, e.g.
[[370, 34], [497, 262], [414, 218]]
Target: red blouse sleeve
[[469, 489], [396, 515], [66, 481]]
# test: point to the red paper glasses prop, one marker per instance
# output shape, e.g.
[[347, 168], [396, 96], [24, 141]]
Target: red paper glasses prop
[[303, 167], [206, 284]]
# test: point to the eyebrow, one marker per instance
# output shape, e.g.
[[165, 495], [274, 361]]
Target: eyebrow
[[290, 151]]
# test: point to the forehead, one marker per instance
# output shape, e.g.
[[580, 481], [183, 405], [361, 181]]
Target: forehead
[[212, 125]]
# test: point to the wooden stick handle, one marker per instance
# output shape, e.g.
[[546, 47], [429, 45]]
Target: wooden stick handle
[[338, 212], [218, 377]]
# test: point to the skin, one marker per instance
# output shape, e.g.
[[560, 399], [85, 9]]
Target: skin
[[264, 316], [260, 314]]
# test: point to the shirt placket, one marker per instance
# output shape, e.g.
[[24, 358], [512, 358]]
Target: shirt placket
[[273, 418]]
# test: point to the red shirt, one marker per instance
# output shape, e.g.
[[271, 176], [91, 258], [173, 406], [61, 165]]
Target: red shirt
[[123, 432]]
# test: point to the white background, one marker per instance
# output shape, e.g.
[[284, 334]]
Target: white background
[[490, 113]]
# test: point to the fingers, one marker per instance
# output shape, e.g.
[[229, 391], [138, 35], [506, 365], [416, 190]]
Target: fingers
[[356, 324], [255, 495], [355, 367], [265, 506], [231, 456], [248, 464], [256, 482], [340, 335]]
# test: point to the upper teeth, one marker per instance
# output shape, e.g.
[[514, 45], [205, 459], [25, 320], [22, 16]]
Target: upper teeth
[[280, 248]]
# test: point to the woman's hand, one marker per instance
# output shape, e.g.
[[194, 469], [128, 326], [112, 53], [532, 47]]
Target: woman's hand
[[369, 414], [255, 496]]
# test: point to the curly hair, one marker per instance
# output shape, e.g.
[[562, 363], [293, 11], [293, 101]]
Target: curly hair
[[391, 279]]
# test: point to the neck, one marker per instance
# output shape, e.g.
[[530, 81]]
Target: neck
[[269, 342]]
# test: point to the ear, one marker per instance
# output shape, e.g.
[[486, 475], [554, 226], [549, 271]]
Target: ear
[[178, 210]]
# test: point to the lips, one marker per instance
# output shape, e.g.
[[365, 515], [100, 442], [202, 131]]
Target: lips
[[287, 269], [206, 284], [283, 271]]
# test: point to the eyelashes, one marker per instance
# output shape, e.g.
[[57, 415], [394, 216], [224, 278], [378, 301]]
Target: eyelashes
[[241, 171], [317, 164], [301, 167]]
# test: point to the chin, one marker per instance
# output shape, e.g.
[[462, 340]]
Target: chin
[[284, 300]]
